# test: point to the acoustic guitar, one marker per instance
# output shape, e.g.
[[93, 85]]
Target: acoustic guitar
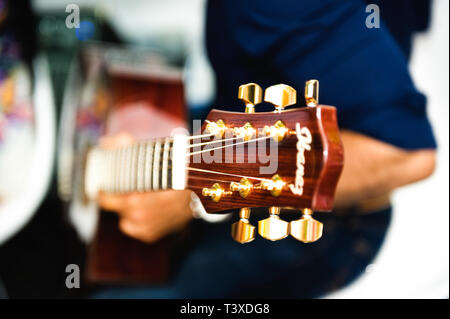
[[288, 159]]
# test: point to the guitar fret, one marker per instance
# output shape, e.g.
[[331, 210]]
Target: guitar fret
[[127, 169], [108, 168], [169, 170], [101, 168], [124, 169], [115, 171], [156, 164], [118, 169], [123, 173], [110, 187], [140, 168], [165, 163], [98, 167], [148, 167], [133, 167]]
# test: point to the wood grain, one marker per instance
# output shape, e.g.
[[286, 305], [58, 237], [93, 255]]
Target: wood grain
[[323, 163]]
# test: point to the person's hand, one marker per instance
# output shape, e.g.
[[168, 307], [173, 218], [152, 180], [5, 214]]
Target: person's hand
[[148, 216], [373, 169]]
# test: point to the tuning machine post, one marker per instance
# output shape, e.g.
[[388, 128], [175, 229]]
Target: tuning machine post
[[246, 132], [251, 94], [281, 96], [277, 131], [274, 186], [242, 231], [217, 128], [312, 93], [273, 228], [306, 229], [244, 187], [216, 192]]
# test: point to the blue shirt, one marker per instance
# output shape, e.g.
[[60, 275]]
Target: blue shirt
[[362, 71]]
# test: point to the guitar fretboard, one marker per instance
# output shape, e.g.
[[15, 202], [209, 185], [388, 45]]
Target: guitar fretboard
[[140, 167]]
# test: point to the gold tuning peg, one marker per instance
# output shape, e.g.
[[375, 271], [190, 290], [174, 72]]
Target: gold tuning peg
[[306, 229], [216, 192], [278, 131], [275, 185], [312, 92], [242, 231], [273, 228], [251, 94], [217, 128], [245, 132], [244, 187], [280, 95]]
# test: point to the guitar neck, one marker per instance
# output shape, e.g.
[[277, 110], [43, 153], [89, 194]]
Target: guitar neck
[[140, 167]]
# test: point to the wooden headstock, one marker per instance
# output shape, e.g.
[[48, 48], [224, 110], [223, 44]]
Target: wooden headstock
[[286, 158]]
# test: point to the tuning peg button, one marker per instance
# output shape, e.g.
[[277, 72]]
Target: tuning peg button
[[312, 92], [277, 131], [306, 229], [216, 192], [280, 95], [275, 185], [273, 228], [245, 132], [217, 128], [242, 231], [244, 187], [251, 94]]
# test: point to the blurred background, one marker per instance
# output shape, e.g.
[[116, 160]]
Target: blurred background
[[35, 241]]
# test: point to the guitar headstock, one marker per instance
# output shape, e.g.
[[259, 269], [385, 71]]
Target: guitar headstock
[[287, 158]]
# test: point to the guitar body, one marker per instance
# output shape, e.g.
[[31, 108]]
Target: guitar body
[[146, 104], [116, 258], [141, 108]]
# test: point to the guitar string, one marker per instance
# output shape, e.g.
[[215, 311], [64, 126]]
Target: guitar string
[[214, 180], [234, 144], [213, 142], [189, 146], [222, 147], [227, 174], [200, 136], [192, 137]]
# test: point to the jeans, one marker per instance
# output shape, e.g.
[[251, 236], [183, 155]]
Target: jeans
[[218, 267]]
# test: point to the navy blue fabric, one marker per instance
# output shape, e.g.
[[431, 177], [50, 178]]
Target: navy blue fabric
[[363, 72], [404, 18]]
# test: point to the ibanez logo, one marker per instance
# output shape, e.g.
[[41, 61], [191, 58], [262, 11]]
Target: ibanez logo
[[303, 144]]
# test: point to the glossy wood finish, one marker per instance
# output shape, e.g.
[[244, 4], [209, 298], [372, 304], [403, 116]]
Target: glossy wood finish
[[117, 258], [112, 256], [323, 163]]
